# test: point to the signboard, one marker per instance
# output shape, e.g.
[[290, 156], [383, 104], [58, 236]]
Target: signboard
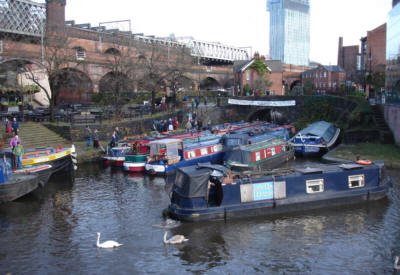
[[263, 191], [283, 103]]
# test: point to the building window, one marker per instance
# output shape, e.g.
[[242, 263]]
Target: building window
[[324, 74], [356, 181], [315, 186], [247, 75], [80, 53]]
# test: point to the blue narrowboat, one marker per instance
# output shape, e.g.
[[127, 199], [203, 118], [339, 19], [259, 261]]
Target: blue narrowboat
[[315, 139], [207, 192], [166, 155]]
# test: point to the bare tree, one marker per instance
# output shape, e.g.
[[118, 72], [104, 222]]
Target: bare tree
[[57, 60], [122, 62], [161, 65]]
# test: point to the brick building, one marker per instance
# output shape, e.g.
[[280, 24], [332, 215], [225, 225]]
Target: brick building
[[246, 76], [347, 59], [376, 49], [325, 79]]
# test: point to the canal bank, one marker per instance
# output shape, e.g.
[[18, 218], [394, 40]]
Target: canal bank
[[390, 153]]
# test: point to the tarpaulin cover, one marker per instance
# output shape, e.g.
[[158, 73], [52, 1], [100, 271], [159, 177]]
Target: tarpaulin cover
[[320, 129], [191, 182]]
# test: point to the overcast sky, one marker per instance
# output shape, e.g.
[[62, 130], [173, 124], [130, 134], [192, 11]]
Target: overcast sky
[[237, 23]]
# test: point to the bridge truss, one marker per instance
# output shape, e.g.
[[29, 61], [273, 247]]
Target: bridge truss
[[22, 17]]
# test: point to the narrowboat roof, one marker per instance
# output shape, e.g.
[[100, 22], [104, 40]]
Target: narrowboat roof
[[165, 141], [262, 144], [213, 141]]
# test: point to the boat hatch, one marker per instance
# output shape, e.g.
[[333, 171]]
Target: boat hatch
[[350, 166], [310, 170]]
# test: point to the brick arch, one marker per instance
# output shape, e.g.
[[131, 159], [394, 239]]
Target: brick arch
[[72, 86], [209, 83]]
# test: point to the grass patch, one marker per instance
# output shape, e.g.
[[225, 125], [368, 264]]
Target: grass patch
[[390, 153]]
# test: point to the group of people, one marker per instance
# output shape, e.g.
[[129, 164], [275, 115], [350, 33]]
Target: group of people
[[15, 143], [89, 136], [94, 135], [12, 127], [165, 125]]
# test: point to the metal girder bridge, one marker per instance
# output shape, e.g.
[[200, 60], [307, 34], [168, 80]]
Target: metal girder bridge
[[22, 17], [214, 50], [204, 50]]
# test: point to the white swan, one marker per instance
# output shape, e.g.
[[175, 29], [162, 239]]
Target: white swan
[[396, 263], [174, 239], [107, 244]]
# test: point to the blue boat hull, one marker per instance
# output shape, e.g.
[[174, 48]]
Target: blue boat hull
[[272, 208], [280, 194]]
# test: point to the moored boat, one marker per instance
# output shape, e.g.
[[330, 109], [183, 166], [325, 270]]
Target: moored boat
[[266, 154], [206, 192], [60, 159], [166, 155], [315, 139], [14, 186]]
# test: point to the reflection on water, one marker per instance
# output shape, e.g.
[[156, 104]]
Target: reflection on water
[[54, 230]]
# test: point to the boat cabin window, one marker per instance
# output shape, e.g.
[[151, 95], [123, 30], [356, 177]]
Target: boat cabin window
[[356, 181], [232, 142], [191, 154], [204, 151], [172, 149], [258, 156], [315, 186]]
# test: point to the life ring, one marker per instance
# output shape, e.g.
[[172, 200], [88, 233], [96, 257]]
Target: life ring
[[364, 162]]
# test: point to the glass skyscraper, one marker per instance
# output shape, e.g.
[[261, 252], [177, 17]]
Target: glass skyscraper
[[289, 35]]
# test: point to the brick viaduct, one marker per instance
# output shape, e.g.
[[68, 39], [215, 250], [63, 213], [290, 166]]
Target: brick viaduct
[[93, 49]]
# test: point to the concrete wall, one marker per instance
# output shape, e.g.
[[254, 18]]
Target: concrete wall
[[392, 117]]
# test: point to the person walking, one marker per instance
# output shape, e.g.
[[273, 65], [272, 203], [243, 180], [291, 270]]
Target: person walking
[[13, 142], [188, 126], [113, 140], [176, 123], [8, 128], [15, 126], [96, 139], [88, 135], [117, 134], [18, 152], [193, 104]]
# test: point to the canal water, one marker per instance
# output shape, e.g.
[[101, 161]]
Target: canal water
[[53, 231]]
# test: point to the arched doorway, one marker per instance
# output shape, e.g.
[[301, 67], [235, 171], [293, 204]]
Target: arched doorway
[[210, 84], [71, 86], [115, 88]]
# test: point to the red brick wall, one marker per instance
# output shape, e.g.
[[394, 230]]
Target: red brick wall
[[376, 46]]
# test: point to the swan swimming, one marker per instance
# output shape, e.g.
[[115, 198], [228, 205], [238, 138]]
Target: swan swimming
[[174, 239], [396, 263], [107, 244]]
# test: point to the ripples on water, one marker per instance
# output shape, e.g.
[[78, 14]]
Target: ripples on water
[[54, 231]]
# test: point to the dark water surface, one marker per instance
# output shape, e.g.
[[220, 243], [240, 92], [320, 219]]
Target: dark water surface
[[53, 231]]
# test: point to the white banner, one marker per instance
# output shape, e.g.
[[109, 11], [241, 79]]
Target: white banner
[[284, 103]]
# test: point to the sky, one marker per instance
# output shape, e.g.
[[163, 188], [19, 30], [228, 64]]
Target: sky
[[239, 23]]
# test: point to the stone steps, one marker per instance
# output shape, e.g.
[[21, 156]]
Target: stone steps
[[386, 135], [36, 135]]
